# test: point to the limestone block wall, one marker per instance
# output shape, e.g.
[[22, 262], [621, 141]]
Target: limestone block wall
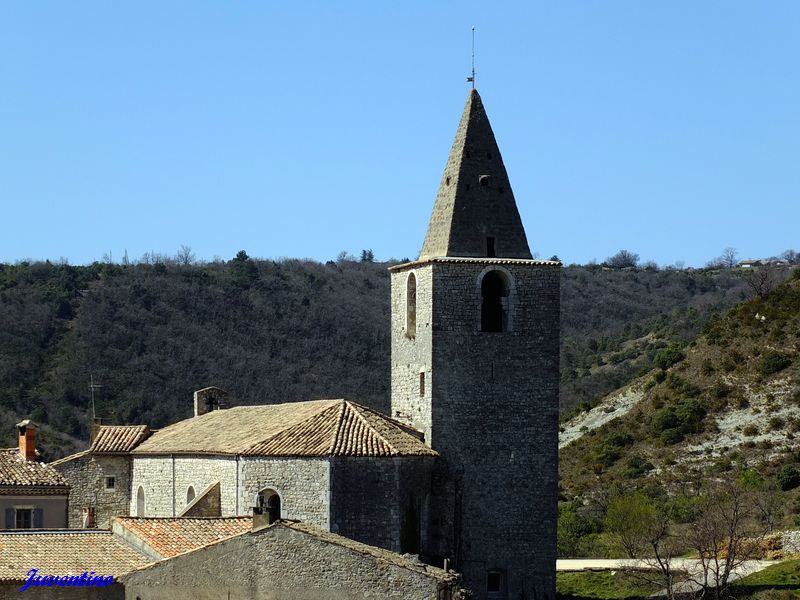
[[278, 562], [491, 411], [495, 424], [411, 356], [381, 501], [86, 475], [200, 472], [303, 485], [165, 480]]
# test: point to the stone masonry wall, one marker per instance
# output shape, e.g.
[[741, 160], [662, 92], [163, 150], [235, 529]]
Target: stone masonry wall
[[411, 356], [86, 476], [371, 499], [495, 416], [494, 421], [301, 483], [165, 499], [275, 563]]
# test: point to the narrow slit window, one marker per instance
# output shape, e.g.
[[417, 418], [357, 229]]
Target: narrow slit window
[[411, 306], [111, 483], [140, 502], [490, 251], [422, 384]]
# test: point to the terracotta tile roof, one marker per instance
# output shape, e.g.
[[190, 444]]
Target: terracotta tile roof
[[16, 472], [171, 536], [119, 438], [66, 553], [314, 428]]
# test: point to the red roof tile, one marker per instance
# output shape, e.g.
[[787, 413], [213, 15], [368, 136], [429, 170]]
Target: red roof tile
[[119, 438], [15, 471], [66, 553], [170, 536]]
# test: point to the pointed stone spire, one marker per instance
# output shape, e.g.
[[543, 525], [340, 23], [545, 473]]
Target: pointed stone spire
[[475, 214]]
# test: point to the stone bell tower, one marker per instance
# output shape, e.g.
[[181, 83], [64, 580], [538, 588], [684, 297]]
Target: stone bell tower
[[475, 350]]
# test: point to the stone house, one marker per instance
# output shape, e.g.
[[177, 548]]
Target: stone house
[[100, 477], [240, 558], [33, 495], [286, 560]]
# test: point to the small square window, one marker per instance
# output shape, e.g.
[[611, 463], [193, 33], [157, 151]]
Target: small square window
[[24, 518], [495, 583], [111, 483]]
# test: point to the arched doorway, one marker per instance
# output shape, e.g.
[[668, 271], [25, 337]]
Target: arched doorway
[[269, 503]]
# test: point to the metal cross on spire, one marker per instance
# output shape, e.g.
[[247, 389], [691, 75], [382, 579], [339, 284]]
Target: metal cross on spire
[[471, 78]]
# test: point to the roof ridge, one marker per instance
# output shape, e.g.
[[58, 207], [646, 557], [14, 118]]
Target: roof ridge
[[354, 407], [339, 425], [323, 409]]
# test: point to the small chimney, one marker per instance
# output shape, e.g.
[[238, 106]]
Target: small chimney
[[27, 439], [95, 429], [208, 399], [88, 520]]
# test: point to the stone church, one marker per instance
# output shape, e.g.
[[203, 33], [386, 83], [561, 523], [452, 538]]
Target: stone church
[[464, 470]]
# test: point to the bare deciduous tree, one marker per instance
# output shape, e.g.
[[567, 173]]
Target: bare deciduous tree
[[622, 260], [726, 532], [728, 257], [185, 256], [762, 279]]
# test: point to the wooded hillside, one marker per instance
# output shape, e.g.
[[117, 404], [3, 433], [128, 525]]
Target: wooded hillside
[[276, 331]]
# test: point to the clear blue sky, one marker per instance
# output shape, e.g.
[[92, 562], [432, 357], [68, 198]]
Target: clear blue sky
[[301, 129]]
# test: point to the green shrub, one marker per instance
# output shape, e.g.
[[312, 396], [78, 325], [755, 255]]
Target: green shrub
[[788, 477], [776, 423], [671, 436], [669, 356], [774, 361], [750, 430], [636, 466], [574, 526], [682, 386], [719, 390]]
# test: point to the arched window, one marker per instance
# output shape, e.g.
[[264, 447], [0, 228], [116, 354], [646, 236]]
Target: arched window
[[140, 502], [493, 299], [269, 503], [189, 495], [411, 306]]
